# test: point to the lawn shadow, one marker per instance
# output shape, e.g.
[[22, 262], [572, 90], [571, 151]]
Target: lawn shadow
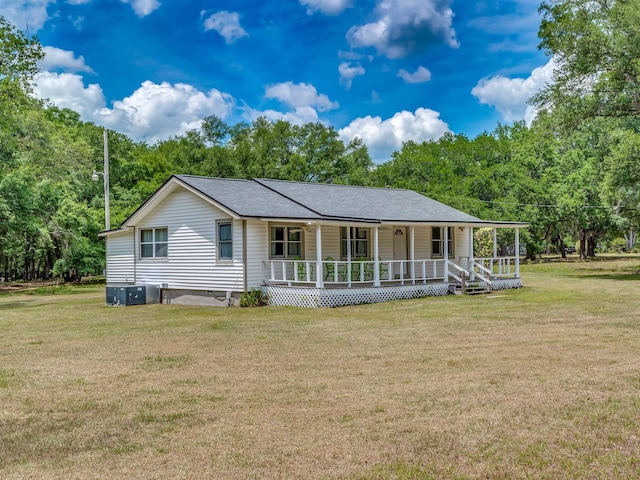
[[620, 277], [21, 304]]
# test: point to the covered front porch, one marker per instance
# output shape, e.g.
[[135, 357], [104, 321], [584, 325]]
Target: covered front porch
[[387, 262]]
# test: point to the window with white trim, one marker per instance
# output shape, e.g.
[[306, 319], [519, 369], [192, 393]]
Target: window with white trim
[[285, 242], [437, 242], [154, 242], [225, 241], [359, 242]]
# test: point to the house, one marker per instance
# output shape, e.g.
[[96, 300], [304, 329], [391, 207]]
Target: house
[[207, 240]]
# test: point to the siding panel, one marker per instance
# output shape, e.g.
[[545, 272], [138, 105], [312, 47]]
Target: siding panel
[[462, 245], [120, 258], [257, 251], [385, 243], [331, 242], [192, 259]]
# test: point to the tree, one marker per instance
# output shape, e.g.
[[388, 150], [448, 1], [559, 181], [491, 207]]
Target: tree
[[596, 49], [19, 57], [622, 166]]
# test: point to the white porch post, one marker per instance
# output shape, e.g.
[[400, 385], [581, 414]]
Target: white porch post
[[470, 266], [376, 257], [446, 253], [412, 252], [348, 256], [495, 242], [319, 276], [517, 252]]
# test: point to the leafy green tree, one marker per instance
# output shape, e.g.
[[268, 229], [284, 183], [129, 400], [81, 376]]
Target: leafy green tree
[[19, 56], [622, 176], [596, 48]]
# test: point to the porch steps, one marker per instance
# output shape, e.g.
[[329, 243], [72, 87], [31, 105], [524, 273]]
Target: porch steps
[[469, 288]]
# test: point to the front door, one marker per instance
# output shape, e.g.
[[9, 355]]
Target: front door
[[400, 249]]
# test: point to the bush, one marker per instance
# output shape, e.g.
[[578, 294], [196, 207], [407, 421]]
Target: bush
[[254, 298], [619, 245]]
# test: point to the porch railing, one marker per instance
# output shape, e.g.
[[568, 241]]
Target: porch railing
[[496, 267], [341, 272]]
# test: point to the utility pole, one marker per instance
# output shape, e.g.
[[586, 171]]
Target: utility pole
[[107, 213]]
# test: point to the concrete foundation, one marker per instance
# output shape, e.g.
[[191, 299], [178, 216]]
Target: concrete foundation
[[200, 297]]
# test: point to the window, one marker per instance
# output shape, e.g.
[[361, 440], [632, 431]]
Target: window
[[286, 242], [225, 241], [154, 242], [359, 242], [437, 241]]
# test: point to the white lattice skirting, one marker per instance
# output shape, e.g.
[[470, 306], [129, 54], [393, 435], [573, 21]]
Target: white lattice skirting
[[338, 297], [506, 283]]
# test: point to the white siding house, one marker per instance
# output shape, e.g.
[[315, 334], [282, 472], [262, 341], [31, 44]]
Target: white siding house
[[208, 240]]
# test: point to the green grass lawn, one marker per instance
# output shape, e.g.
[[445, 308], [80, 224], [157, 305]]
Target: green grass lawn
[[540, 382]]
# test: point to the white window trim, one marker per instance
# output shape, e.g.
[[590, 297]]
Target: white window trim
[[153, 243], [220, 259], [286, 242], [354, 240], [441, 242]]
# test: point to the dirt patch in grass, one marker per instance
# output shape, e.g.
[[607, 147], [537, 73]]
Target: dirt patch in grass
[[540, 382]]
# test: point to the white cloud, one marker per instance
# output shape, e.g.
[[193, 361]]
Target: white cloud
[[406, 26], [153, 112], [303, 101], [328, 7], [419, 76], [299, 116], [509, 95], [300, 95], [157, 111], [383, 137], [67, 90], [33, 13], [348, 73], [23, 14], [76, 22], [143, 7], [226, 24], [58, 59]]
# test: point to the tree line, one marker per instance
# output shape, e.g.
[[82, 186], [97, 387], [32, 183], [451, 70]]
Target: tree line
[[573, 173]]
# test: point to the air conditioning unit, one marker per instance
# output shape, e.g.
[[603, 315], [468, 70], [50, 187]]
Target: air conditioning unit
[[133, 294]]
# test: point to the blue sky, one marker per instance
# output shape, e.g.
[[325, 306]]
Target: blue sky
[[384, 70]]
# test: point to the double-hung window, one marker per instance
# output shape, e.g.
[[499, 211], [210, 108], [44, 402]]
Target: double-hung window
[[225, 241], [359, 242], [154, 242], [286, 242], [437, 242]]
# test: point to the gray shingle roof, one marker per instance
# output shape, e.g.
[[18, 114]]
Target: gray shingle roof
[[377, 204], [315, 201], [247, 198]]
